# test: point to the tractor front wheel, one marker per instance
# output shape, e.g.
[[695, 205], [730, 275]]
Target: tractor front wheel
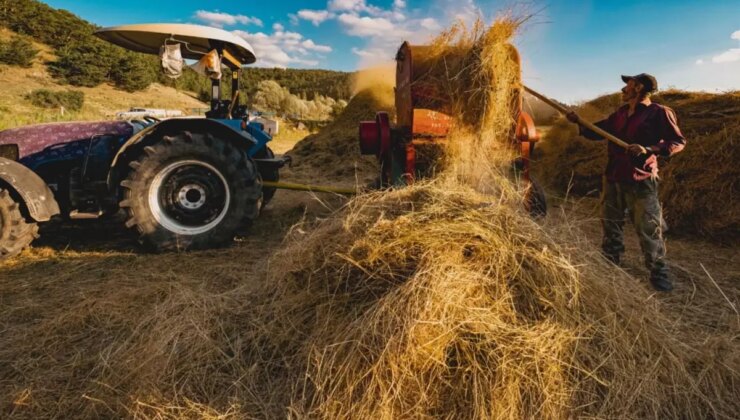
[[15, 233], [190, 191]]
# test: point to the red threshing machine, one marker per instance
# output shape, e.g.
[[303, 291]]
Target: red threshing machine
[[423, 118]]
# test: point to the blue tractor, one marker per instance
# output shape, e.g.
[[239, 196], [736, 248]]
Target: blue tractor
[[184, 183]]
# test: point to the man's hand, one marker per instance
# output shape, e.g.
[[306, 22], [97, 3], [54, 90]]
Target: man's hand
[[636, 150], [573, 117]]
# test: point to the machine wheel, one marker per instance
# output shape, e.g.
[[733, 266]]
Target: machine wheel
[[269, 175], [536, 200], [190, 191], [15, 233]]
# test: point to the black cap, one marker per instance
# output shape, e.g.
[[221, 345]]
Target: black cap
[[649, 81]]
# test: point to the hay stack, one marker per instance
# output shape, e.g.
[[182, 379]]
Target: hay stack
[[333, 154], [428, 302], [699, 184]]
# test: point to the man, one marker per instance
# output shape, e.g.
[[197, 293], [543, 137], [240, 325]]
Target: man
[[631, 174]]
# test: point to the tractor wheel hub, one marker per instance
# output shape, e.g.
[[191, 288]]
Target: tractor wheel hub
[[192, 196]]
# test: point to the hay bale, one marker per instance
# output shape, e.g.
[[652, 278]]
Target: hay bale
[[702, 175]]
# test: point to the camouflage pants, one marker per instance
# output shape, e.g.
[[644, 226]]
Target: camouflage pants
[[640, 201]]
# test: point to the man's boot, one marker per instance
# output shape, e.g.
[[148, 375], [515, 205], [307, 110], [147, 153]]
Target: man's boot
[[660, 281]]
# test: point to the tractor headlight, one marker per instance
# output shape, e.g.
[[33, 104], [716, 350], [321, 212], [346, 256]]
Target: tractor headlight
[[9, 151]]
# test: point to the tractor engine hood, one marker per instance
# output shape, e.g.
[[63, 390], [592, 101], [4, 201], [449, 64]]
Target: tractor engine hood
[[35, 138]]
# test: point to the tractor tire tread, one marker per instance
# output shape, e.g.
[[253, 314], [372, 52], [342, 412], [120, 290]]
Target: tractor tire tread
[[239, 171], [16, 233]]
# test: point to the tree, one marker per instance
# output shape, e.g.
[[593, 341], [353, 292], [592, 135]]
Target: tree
[[132, 72], [269, 96], [338, 107], [18, 52], [85, 63]]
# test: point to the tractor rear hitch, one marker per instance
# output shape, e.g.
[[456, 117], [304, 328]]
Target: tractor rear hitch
[[274, 163]]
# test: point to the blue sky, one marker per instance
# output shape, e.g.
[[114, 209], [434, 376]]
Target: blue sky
[[572, 50]]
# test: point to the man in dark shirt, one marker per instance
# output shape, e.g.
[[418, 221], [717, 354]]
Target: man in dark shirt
[[631, 182]]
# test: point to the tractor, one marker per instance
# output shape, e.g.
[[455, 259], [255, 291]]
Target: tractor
[[422, 119], [184, 183]]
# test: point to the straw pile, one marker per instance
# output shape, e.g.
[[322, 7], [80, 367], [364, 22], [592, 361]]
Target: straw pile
[[698, 185], [333, 154], [429, 302]]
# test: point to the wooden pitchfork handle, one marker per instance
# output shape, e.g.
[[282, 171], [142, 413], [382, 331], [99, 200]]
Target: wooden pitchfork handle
[[565, 111]]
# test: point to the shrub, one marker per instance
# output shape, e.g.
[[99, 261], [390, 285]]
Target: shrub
[[133, 72], [87, 62], [19, 51], [70, 99]]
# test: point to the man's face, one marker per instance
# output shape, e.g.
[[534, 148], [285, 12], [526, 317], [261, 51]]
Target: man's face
[[631, 90]]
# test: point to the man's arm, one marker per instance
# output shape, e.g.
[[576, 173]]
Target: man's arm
[[672, 140], [586, 132], [592, 135]]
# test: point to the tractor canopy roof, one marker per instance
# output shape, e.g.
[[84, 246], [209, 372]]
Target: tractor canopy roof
[[196, 40]]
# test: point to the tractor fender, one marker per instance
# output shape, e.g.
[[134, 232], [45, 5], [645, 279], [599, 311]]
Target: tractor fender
[[172, 127], [33, 191]]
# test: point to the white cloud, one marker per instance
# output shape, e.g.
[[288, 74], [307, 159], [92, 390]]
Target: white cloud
[[312, 46], [700, 62], [430, 24], [278, 27], [731, 55], [315, 16], [365, 25], [347, 5], [360, 6], [219, 19], [273, 50], [371, 54]]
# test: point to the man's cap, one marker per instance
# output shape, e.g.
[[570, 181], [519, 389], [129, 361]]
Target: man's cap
[[649, 81]]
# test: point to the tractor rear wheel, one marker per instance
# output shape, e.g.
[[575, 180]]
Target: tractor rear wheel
[[190, 191], [15, 233]]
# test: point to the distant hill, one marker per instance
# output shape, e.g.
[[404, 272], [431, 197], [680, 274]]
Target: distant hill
[[100, 102]]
